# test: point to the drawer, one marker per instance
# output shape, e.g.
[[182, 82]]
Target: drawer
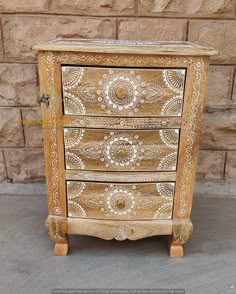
[[121, 91], [120, 201], [109, 150]]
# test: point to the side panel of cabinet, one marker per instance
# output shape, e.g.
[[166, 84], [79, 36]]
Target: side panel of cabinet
[[50, 84], [190, 136]]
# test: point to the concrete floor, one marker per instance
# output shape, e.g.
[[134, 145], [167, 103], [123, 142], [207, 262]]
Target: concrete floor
[[27, 264]]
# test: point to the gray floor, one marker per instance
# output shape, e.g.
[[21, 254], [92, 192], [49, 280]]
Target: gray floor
[[27, 264]]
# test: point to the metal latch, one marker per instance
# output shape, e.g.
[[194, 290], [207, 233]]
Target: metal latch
[[44, 99]]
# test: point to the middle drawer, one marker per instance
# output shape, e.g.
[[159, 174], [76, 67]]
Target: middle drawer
[[123, 150]]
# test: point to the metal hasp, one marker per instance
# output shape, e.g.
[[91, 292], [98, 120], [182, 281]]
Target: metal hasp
[[44, 99]]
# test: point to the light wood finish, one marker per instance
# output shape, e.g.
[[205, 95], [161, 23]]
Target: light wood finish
[[119, 230], [182, 231], [190, 136], [120, 201], [122, 92], [50, 75], [176, 250], [61, 249], [161, 66], [120, 177], [57, 230], [126, 47], [107, 150], [126, 123]]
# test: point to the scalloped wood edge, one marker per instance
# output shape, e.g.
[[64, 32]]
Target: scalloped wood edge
[[58, 229], [118, 229]]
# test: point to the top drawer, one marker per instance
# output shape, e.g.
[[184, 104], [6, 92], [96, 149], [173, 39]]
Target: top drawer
[[122, 92]]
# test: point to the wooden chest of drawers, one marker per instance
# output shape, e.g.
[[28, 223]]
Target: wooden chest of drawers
[[121, 128]]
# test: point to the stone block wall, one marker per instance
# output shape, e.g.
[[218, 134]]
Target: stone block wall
[[26, 22]]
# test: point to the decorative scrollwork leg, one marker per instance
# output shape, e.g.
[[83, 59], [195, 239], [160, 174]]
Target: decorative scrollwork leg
[[182, 231], [57, 231]]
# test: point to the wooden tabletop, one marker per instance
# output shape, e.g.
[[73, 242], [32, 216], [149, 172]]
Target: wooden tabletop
[[126, 47]]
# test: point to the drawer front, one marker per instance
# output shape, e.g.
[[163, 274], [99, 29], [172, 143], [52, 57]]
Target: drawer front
[[119, 91], [120, 201], [108, 150]]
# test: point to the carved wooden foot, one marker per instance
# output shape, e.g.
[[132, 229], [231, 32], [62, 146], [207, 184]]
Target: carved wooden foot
[[175, 250], [57, 231], [182, 231], [61, 249]]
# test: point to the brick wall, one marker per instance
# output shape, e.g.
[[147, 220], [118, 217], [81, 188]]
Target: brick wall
[[26, 22]]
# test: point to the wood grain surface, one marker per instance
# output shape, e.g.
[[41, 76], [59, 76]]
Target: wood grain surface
[[120, 177], [119, 230], [119, 123], [122, 92], [93, 149], [126, 47], [117, 108], [120, 201]]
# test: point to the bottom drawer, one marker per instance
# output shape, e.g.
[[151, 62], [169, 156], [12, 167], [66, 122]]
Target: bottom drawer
[[120, 201]]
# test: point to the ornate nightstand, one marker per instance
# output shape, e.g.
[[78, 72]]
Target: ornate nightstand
[[121, 128]]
